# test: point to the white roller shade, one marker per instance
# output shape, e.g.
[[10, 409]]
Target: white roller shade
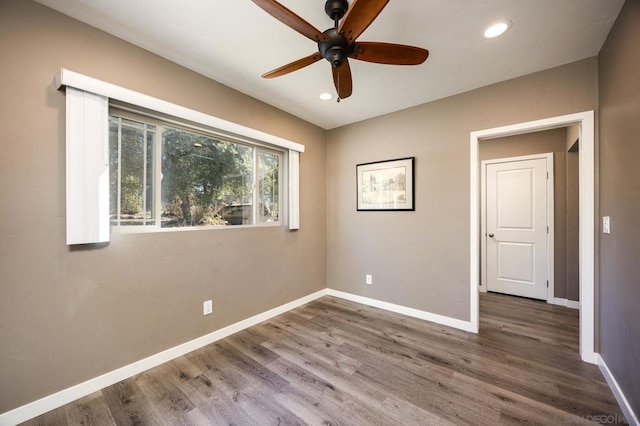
[[87, 167], [294, 190]]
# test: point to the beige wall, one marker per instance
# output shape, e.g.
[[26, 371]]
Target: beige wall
[[421, 259], [71, 314], [573, 134], [619, 321], [554, 141]]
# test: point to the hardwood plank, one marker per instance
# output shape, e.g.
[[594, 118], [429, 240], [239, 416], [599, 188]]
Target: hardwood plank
[[405, 413], [163, 397], [302, 326], [255, 372], [128, 404], [174, 386], [52, 418], [250, 344], [432, 395], [333, 376], [513, 408], [216, 377], [259, 405], [90, 410], [316, 348], [335, 401]]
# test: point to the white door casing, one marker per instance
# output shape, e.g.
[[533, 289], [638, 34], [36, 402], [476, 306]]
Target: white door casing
[[586, 122], [517, 220]]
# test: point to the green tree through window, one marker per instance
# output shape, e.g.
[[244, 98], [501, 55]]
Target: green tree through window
[[203, 180]]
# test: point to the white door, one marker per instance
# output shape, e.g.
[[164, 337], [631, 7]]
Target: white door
[[517, 228]]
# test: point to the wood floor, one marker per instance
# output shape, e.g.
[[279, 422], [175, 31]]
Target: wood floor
[[334, 362]]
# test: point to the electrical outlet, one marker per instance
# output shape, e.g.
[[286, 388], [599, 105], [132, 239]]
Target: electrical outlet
[[207, 307], [368, 279]]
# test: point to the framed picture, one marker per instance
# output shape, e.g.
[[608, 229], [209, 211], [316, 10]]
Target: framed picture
[[385, 185]]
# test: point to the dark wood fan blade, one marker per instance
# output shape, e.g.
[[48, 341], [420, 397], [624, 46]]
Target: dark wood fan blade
[[290, 19], [360, 15], [293, 66], [342, 79], [389, 53]]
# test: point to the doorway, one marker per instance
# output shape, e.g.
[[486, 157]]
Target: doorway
[[585, 122], [517, 226]]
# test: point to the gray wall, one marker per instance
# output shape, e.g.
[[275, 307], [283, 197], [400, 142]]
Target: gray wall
[[573, 214], [421, 259], [68, 315], [619, 322], [554, 141]]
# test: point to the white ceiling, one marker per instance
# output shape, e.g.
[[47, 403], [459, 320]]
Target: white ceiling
[[234, 42]]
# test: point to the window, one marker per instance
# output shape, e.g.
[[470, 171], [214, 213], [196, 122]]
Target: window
[[89, 190], [163, 176]]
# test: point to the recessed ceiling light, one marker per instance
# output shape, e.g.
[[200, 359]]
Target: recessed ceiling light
[[497, 28], [326, 96]]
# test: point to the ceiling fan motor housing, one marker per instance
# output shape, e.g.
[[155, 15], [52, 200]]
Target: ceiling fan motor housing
[[336, 49]]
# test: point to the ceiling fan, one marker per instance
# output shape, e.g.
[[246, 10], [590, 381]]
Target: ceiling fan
[[339, 43]]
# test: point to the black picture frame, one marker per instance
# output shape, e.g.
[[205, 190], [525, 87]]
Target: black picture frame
[[386, 185]]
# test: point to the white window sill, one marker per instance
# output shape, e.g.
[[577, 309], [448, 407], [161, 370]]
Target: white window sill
[[134, 229]]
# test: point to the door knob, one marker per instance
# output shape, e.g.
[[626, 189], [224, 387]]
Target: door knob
[[490, 235]]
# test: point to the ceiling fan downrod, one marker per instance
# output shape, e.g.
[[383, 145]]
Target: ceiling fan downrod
[[336, 9]]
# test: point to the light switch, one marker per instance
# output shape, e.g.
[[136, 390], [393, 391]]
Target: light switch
[[606, 225]]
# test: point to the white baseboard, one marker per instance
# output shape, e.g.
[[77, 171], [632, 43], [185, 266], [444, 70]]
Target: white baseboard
[[632, 418], [564, 302], [416, 313], [48, 403], [573, 304]]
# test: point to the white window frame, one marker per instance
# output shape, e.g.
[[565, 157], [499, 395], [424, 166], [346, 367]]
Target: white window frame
[[160, 123], [155, 166], [67, 78]]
